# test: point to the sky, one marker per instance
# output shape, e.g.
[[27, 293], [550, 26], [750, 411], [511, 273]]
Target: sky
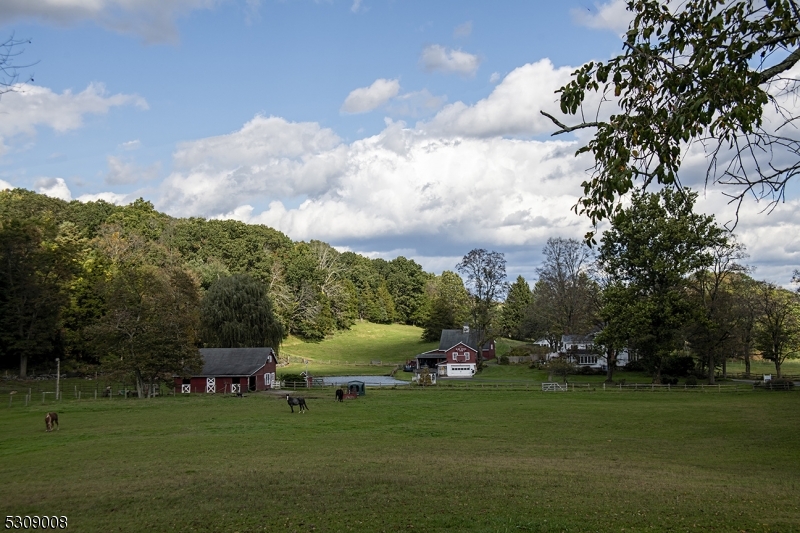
[[385, 127]]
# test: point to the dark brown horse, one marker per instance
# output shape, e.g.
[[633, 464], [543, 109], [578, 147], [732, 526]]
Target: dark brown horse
[[49, 420], [339, 395], [300, 402]]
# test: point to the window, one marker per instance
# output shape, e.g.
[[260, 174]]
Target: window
[[466, 356], [587, 359]]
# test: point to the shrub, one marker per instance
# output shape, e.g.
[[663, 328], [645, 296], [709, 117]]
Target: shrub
[[502, 360], [669, 380], [635, 366], [691, 381], [678, 365], [293, 379]]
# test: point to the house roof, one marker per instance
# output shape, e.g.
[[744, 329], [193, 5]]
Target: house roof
[[451, 337], [578, 339], [433, 354], [219, 362]]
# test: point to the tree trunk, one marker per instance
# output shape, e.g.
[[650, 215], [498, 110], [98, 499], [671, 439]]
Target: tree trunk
[[611, 363], [724, 368], [23, 366], [778, 367], [747, 362], [712, 367], [139, 384]]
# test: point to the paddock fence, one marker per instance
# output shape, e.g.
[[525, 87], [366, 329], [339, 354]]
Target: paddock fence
[[21, 394]]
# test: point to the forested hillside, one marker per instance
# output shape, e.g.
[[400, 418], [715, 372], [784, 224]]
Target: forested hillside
[[93, 282]]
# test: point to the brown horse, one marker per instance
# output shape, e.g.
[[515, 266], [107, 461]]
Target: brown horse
[[49, 420], [339, 395], [300, 402]]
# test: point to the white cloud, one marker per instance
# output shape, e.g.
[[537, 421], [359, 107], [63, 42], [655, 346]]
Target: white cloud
[[611, 15], [30, 106], [152, 19], [438, 58], [5, 185], [366, 99], [121, 171], [57, 188], [267, 156], [495, 77], [53, 187], [513, 107], [416, 104], [110, 197], [463, 30], [356, 6], [131, 145], [471, 176]]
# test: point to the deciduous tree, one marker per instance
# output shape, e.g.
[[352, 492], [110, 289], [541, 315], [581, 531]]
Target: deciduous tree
[[149, 328], [778, 329], [486, 282], [717, 73], [648, 253]]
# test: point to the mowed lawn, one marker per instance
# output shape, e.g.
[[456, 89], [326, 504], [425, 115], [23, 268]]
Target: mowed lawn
[[411, 460]]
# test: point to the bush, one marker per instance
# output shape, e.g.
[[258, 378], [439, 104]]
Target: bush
[[293, 379], [502, 360], [678, 365], [668, 380], [691, 381], [635, 366], [589, 371]]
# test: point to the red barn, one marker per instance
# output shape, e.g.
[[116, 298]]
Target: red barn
[[232, 370]]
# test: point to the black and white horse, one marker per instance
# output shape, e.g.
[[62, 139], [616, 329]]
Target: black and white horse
[[300, 402]]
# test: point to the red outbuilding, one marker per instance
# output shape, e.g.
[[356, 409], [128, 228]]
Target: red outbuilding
[[232, 370]]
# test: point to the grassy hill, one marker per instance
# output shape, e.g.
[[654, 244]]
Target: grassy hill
[[359, 346]]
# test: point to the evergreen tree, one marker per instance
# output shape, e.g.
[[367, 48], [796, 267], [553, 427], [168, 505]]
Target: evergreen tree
[[516, 305]]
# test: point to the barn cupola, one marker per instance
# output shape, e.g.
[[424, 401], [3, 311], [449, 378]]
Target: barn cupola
[[466, 328]]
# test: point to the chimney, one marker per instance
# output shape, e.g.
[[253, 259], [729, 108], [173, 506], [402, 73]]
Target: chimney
[[466, 328]]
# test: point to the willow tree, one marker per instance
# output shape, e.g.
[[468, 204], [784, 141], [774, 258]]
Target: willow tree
[[237, 313]]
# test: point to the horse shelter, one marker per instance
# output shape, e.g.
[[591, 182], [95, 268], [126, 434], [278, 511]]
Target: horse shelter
[[231, 370]]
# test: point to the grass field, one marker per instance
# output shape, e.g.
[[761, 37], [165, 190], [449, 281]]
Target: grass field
[[359, 346], [411, 460]]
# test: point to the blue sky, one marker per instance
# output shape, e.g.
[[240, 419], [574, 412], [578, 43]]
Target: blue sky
[[386, 127]]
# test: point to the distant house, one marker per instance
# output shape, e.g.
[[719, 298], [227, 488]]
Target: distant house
[[457, 355], [232, 370], [582, 351]]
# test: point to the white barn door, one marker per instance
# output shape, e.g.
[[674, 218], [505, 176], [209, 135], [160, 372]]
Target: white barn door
[[211, 385]]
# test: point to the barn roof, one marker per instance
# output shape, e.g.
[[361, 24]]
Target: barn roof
[[451, 337], [219, 362]]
